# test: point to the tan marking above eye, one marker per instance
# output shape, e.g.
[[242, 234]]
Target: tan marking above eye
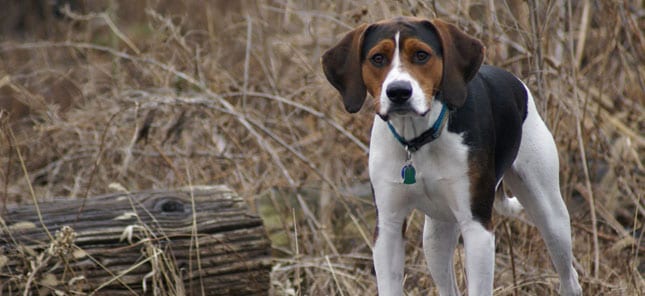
[[373, 76], [429, 73], [412, 45], [385, 48]]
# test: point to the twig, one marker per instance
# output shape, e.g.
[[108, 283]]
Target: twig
[[247, 58], [537, 37], [582, 33], [194, 235], [131, 268], [310, 13], [309, 110], [128, 149], [241, 118], [608, 237], [5, 127], [108, 21], [297, 248], [97, 162], [333, 274], [605, 214], [31, 188], [512, 255], [583, 154], [42, 260], [169, 162]]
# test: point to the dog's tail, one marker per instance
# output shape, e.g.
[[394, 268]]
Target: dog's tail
[[506, 205]]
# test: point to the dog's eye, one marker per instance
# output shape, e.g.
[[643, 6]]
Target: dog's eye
[[378, 60], [421, 57]]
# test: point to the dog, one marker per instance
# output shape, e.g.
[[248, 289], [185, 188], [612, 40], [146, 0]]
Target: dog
[[447, 130]]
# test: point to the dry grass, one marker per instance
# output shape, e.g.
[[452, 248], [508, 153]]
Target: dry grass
[[157, 94]]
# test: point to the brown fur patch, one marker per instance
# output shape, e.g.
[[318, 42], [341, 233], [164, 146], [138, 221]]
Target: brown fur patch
[[428, 74], [374, 76], [482, 189]]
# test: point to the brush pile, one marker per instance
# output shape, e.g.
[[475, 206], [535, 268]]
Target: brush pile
[[166, 94]]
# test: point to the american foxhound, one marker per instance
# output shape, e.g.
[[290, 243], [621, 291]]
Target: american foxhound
[[447, 130]]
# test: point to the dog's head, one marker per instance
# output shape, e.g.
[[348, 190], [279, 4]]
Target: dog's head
[[403, 63]]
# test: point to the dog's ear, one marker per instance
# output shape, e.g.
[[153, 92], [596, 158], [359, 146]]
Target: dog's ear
[[342, 67], [462, 57]]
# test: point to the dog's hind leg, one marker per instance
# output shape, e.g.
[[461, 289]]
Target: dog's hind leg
[[534, 179], [439, 241]]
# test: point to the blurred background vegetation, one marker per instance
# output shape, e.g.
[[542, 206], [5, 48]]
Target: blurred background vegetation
[[160, 93]]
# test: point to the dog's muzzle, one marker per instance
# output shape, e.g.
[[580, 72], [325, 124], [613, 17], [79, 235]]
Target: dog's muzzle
[[399, 92]]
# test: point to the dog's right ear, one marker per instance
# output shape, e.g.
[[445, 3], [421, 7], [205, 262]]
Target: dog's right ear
[[342, 67]]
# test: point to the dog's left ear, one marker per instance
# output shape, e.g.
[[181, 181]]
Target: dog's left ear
[[462, 57], [342, 67]]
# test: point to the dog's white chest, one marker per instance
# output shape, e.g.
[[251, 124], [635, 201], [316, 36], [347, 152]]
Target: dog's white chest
[[441, 173]]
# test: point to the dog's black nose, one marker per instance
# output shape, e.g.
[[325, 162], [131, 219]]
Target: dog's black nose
[[399, 91]]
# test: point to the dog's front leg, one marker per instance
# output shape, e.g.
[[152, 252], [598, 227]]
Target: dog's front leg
[[439, 242], [479, 245], [389, 253]]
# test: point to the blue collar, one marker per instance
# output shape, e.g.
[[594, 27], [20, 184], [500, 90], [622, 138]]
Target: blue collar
[[426, 137]]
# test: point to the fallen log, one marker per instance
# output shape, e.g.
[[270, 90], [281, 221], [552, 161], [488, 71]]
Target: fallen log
[[202, 241]]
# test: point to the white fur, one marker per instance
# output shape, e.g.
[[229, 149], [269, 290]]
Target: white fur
[[439, 242], [442, 193], [534, 178], [418, 100], [442, 177], [507, 206]]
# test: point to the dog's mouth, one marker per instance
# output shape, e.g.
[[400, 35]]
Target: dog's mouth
[[403, 110]]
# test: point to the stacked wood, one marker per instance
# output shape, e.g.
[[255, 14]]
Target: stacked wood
[[199, 241]]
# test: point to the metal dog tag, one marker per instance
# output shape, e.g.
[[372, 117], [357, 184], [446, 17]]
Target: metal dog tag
[[408, 173]]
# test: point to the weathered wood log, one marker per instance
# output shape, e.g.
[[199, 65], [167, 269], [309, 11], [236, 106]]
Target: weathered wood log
[[149, 242]]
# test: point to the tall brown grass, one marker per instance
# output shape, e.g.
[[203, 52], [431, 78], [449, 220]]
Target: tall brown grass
[[157, 94]]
